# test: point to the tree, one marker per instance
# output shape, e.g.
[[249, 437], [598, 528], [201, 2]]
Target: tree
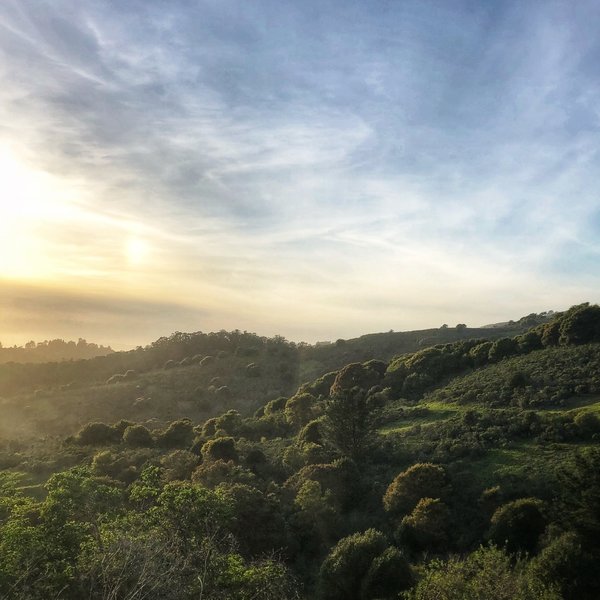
[[179, 434], [94, 434], [347, 424], [502, 348], [569, 566], [518, 525], [580, 325], [422, 480], [298, 409], [427, 525], [486, 574], [388, 574], [138, 436], [258, 524], [347, 565], [222, 448], [363, 376]]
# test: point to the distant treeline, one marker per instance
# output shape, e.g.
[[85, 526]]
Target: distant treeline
[[175, 348], [310, 361], [52, 350]]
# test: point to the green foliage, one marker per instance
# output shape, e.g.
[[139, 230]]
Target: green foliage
[[427, 526], [298, 410], [580, 325], [213, 473], [568, 567], [138, 436], [486, 574], [229, 423], [178, 464], [518, 525], [97, 434], [587, 423], [503, 348], [311, 432], [422, 480], [354, 375], [347, 566], [552, 375], [179, 434], [339, 478], [157, 518], [222, 448], [388, 574], [258, 525], [348, 424], [275, 406], [580, 487]]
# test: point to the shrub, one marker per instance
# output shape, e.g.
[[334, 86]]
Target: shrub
[[347, 566], [178, 465], [518, 525], [222, 448], [427, 525], [138, 436], [94, 434], [422, 480], [179, 434]]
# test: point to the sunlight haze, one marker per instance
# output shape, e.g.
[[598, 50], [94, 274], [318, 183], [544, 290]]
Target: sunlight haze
[[317, 170]]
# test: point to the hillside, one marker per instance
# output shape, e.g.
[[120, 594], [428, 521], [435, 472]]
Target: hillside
[[466, 469], [193, 375]]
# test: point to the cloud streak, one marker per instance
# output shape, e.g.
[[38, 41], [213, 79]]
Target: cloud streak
[[315, 170]]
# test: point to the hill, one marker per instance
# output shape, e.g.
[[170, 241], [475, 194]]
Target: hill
[[189, 375], [464, 469]]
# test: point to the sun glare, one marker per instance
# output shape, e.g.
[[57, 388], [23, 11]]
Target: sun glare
[[136, 251], [30, 200]]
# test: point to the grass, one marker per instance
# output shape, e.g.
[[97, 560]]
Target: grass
[[436, 411], [524, 461]]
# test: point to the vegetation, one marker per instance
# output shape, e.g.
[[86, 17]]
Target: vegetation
[[468, 469]]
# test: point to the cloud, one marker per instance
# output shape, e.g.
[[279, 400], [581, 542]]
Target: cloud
[[303, 167]]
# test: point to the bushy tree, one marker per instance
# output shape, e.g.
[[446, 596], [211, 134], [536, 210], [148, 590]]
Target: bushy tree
[[486, 574], [422, 480], [347, 565], [388, 574], [587, 423], [258, 524], [179, 434], [138, 436], [580, 325], [222, 448], [503, 348], [347, 423], [518, 525], [178, 464], [569, 567], [298, 410], [356, 375], [426, 528], [96, 434], [275, 406]]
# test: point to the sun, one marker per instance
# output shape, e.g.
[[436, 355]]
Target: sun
[[136, 251]]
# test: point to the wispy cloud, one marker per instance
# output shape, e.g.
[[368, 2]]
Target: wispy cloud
[[314, 169]]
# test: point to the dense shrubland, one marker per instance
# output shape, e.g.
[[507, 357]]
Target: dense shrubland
[[464, 470]]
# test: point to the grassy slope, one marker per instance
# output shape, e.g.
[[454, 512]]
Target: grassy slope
[[182, 392], [553, 376]]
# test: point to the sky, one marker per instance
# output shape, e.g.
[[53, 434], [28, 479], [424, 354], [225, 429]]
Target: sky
[[315, 169]]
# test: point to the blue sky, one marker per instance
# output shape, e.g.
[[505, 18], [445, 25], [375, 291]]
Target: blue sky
[[313, 169]]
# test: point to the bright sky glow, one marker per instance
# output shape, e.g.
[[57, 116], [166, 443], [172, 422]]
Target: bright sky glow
[[313, 169]]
